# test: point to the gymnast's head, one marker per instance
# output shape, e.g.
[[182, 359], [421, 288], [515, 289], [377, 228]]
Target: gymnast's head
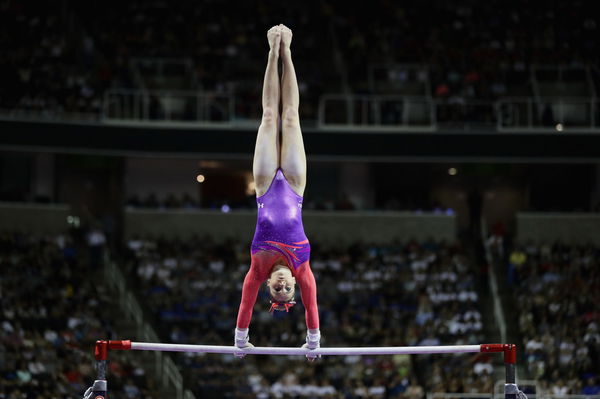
[[282, 287]]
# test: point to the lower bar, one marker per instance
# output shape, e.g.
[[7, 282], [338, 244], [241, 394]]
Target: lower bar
[[394, 350]]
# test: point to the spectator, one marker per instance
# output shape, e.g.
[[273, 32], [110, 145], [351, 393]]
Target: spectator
[[591, 387], [515, 263]]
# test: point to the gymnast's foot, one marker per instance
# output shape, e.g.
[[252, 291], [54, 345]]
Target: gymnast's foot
[[274, 38], [286, 38]]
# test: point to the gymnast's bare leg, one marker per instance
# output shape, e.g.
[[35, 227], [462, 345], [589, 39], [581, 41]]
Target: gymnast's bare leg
[[266, 152], [293, 156]]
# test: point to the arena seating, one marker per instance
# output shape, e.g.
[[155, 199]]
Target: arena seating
[[52, 313], [557, 288]]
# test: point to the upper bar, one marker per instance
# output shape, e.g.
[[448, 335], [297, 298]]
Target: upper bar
[[394, 350]]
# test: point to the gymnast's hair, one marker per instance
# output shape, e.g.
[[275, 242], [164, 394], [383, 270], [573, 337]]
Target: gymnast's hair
[[281, 306]]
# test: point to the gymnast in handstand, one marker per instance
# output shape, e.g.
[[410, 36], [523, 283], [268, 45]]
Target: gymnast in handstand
[[280, 249]]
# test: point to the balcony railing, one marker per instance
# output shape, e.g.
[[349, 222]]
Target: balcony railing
[[343, 112], [167, 106], [548, 114], [398, 113], [375, 112]]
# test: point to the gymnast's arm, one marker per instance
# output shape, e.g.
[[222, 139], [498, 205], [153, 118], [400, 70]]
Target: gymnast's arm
[[252, 282], [308, 288]]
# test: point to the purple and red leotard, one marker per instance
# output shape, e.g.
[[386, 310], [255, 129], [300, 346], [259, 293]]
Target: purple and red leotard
[[279, 234]]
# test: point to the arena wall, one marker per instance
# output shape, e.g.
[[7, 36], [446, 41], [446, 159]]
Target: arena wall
[[38, 218], [326, 227], [570, 228]]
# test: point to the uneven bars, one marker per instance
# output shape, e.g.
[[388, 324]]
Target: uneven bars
[[393, 350]]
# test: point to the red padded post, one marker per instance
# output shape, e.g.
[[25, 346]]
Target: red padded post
[[101, 350], [510, 353]]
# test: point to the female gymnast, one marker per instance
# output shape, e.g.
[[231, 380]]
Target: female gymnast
[[280, 250]]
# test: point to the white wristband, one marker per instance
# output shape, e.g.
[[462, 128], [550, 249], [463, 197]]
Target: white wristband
[[241, 333], [313, 337], [241, 337]]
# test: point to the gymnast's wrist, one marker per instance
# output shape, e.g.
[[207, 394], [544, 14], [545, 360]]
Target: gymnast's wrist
[[241, 337], [313, 338]]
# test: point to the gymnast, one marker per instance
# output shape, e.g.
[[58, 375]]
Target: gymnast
[[280, 250]]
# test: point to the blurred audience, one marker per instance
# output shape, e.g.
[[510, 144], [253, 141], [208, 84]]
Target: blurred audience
[[382, 295], [68, 56], [472, 50], [558, 291], [52, 312]]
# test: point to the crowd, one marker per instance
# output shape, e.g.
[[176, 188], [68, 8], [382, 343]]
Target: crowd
[[402, 294], [49, 64], [557, 289], [52, 312], [66, 57], [369, 295], [471, 50]]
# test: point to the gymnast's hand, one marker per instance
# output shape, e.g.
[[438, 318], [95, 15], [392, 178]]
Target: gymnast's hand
[[242, 340], [313, 341]]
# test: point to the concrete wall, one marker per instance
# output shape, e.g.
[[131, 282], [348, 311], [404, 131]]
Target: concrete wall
[[323, 226], [567, 227], [162, 177], [43, 176], [38, 218]]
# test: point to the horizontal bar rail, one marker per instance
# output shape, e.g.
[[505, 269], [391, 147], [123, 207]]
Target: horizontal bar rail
[[102, 348]]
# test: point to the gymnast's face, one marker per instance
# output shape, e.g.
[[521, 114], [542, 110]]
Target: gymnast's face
[[282, 284]]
